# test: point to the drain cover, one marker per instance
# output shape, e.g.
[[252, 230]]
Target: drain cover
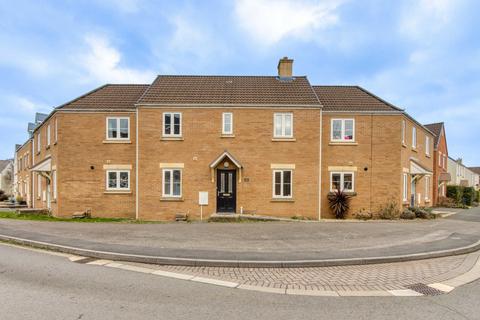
[[424, 289], [85, 260]]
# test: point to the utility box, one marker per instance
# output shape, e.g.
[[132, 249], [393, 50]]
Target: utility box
[[203, 198]]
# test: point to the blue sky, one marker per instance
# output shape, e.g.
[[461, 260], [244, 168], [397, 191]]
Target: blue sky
[[423, 56]]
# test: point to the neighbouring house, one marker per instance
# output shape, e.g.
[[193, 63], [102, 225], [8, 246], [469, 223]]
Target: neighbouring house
[[461, 174], [441, 176], [6, 176], [270, 145], [476, 173]]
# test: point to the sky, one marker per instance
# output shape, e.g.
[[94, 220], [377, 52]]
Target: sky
[[423, 56]]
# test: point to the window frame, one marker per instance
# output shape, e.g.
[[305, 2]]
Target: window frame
[[39, 141], [39, 186], [223, 123], [405, 187], [342, 130], [171, 195], [427, 187], [342, 180], [54, 184], [283, 127], [404, 130], [118, 172], [48, 135], [427, 145], [282, 173], [414, 137], [56, 130], [118, 119], [172, 116]]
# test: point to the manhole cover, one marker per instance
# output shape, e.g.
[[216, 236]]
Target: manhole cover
[[424, 289]]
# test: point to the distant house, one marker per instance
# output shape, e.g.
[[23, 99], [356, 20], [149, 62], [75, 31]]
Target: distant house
[[476, 173], [461, 174], [6, 176], [440, 155]]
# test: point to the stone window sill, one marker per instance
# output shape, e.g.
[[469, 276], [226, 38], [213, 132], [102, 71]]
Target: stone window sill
[[53, 201], [350, 193], [227, 136], [414, 149], [284, 139], [117, 192], [282, 200], [171, 139], [343, 143], [404, 145], [172, 199], [116, 141]]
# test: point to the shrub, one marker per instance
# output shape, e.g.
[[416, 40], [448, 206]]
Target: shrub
[[468, 195], [3, 196], [339, 202], [446, 202], [408, 215], [363, 214], [422, 213], [389, 211], [455, 193]]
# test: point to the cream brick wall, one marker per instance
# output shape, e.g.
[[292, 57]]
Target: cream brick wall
[[252, 146]]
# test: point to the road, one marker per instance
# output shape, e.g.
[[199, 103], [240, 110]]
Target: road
[[36, 285]]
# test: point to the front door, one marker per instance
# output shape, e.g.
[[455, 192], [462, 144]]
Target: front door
[[226, 191], [413, 189]]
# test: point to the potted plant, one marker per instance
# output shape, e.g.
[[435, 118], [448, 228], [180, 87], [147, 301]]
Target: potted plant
[[339, 202]]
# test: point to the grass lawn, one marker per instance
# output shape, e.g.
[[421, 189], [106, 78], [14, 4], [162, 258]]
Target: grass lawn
[[24, 216]]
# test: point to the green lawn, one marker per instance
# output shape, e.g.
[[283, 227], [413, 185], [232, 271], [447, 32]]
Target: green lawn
[[24, 216]]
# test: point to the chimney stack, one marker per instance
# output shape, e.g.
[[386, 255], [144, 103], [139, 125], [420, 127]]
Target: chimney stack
[[285, 68]]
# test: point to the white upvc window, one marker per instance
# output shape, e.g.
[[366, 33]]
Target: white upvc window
[[343, 181], [172, 124], [342, 130], [404, 127], [440, 159], [227, 123], [444, 161], [118, 128], [427, 187], [282, 183], [405, 187], [56, 129], [54, 183], [414, 137], [427, 145], [118, 180], [172, 183], [39, 141], [48, 135], [283, 125]]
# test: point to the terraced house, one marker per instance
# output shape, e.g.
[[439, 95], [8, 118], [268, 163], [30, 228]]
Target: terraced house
[[270, 145]]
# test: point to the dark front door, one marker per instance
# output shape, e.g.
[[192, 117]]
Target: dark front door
[[226, 191]]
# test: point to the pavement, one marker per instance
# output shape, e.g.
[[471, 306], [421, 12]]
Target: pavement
[[35, 285], [259, 244]]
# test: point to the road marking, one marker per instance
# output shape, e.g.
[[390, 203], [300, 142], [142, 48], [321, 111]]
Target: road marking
[[215, 282], [317, 293], [262, 289], [75, 258], [100, 262], [405, 293], [441, 287], [174, 275]]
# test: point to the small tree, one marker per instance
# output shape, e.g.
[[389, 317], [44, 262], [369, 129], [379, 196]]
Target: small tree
[[339, 203]]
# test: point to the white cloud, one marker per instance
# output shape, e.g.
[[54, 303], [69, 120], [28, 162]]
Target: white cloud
[[25, 105], [427, 17], [102, 63], [269, 21]]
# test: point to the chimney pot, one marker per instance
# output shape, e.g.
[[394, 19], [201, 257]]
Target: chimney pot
[[285, 68]]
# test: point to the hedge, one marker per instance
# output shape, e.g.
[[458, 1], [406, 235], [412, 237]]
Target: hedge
[[463, 195]]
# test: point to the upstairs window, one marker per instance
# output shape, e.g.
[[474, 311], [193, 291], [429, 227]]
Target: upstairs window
[[283, 125], [48, 135], [39, 142], [227, 123], [440, 159], [414, 137], [427, 145], [118, 128], [404, 126], [118, 180], [343, 130], [56, 130], [172, 124], [342, 181], [282, 183]]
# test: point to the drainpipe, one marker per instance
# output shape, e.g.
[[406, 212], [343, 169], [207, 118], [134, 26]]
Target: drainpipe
[[136, 164], [320, 169]]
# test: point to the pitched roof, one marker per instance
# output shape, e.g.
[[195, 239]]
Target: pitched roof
[[437, 129], [230, 90], [351, 98], [475, 169], [4, 164], [109, 96]]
